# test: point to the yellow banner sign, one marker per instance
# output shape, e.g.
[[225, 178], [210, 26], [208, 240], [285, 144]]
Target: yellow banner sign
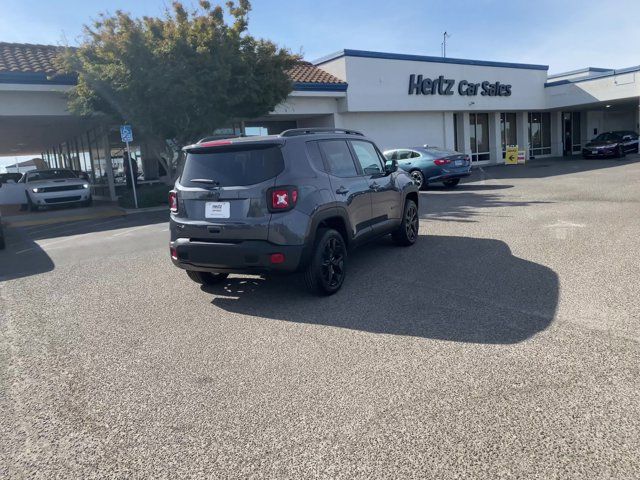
[[511, 155]]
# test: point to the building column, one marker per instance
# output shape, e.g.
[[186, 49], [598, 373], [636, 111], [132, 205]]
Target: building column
[[495, 138], [448, 133], [108, 166], [522, 131], [557, 134]]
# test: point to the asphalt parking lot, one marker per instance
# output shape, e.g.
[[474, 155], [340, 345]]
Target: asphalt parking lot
[[505, 344]]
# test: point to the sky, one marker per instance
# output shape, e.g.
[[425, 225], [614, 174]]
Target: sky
[[564, 34]]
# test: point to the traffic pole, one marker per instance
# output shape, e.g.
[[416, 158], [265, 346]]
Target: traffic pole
[[133, 180]]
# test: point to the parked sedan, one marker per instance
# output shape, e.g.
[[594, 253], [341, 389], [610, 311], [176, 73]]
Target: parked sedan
[[611, 144], [55, 187], [432, 165]]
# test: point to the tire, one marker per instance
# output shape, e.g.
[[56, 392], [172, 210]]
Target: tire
[[206, 278], [453, 183], [327, 269], [87, 203], [620, 153], [407, 233], [418, 178]]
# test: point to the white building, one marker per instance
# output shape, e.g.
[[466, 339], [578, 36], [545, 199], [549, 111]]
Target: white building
[[473, 106], [477, 107]]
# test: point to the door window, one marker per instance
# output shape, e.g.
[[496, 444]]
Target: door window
[[338, 158], [367, 157]]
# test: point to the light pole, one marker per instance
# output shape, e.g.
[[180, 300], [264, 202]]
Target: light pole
[[443, 45]]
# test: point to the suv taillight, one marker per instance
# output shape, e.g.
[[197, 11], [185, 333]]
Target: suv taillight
[[442, 161], [282, 199], [173, 201]]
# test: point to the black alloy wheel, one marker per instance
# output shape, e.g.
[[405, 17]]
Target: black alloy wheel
[[327, 269], [407, 233]]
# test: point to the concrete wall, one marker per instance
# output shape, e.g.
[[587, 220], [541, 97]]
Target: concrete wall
[[326, 121], [402, 129], [604, 89], [297, 104], [26, 103]]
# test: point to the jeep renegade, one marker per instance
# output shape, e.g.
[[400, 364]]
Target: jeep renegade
[[294, 202]]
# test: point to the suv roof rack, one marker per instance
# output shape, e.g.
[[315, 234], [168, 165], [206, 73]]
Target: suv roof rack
[[305, 131]]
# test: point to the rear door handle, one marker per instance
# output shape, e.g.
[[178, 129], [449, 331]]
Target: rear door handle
[[342, 191]]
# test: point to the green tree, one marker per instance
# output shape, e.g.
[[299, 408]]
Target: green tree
[[179, 77]]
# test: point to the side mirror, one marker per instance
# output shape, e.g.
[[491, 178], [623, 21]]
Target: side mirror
[[390, 166], [626, 137]]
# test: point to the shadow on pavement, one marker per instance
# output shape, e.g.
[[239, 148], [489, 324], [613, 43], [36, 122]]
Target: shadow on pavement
[[448, 288], [13, 264], [547, 167], [463, 206], [24, 257], [81, 227]]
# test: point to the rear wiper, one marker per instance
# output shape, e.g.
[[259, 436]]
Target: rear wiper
[[205, 180]]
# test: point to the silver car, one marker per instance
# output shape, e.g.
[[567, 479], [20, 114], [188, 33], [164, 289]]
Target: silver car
[[55, 187]]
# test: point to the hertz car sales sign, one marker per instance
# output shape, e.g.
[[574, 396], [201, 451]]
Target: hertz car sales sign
[[418, 85]]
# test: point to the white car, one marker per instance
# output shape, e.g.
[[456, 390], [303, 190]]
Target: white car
[[55, 187]]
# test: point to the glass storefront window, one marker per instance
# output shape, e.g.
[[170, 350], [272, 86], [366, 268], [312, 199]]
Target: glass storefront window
[[479, 136], [539, 133]]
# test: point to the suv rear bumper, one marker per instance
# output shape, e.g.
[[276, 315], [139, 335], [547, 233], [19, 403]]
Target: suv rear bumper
[[250, 256]]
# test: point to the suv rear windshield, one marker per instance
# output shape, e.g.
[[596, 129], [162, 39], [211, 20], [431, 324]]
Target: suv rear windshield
[[233, 166]]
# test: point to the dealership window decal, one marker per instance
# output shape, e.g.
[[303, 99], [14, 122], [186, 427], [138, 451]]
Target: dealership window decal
[[419, 85]]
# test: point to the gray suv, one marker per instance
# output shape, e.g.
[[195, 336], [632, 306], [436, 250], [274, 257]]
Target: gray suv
[[294, 202]]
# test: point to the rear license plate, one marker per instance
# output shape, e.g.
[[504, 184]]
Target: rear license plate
[[594, 152], [459, 163], [217, 210]]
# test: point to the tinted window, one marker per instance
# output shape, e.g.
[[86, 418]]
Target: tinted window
[[49, 175], [608, 137], [404, 154], [233, 166], [316, 157], [338, 157], [367, 157]]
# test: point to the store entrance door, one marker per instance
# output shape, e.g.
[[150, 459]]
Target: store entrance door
[[571, 133]]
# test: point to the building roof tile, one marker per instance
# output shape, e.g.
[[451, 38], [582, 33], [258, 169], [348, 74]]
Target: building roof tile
[[21, 58], [28, 58], [305, 72]]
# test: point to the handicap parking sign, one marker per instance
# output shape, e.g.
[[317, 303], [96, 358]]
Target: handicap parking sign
[[126, 133]]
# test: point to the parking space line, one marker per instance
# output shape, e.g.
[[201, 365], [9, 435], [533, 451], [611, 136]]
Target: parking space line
[[130, 230]]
